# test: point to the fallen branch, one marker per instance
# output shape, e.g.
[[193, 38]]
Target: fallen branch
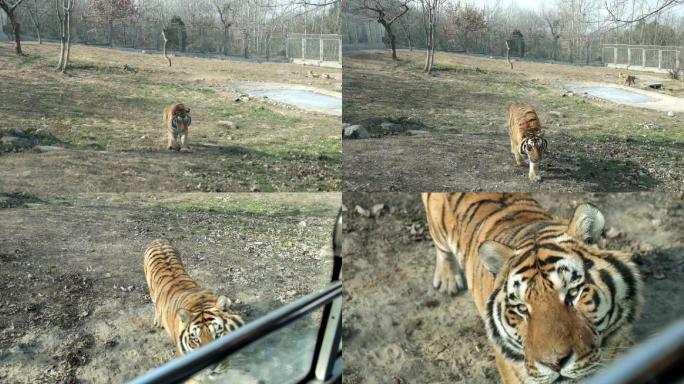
[[508, 50], [164, 47]]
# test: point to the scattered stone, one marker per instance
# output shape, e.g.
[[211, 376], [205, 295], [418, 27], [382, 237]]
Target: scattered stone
[[302, 223], [241, 97], [377, 209], [344, 208], [228, 124], [16, 132], [355, 132], [556, 114], [47, 148], [655, 85], [670, 113], [415, 132], [389, 126], [612, 233], [361, 211]]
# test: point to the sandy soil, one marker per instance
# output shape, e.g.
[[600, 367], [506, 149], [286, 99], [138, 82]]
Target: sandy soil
[[448, 130], [75, 306], [397, 329], [105, 118]]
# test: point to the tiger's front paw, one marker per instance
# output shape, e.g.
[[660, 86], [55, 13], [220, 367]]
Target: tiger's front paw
[[535, 178], [447, 279]]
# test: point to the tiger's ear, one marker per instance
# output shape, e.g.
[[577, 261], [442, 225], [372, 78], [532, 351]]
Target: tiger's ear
[[223, 303], [183, 316], [587, 224], [493, 255]]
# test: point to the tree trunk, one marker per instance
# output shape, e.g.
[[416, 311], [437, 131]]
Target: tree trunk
[[111, 32], [15, 30], [67, 22], [392, 39], [225, 40], [62, 36]]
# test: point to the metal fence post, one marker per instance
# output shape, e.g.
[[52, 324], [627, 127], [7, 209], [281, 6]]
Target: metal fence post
[[643, 57], [320, 50], [629, 57], [615, 55], [660, 58]]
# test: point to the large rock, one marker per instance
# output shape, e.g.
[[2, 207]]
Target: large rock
[[15, 141], [355, 132]]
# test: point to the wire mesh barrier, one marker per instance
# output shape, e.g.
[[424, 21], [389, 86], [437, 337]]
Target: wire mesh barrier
[[652, 58]]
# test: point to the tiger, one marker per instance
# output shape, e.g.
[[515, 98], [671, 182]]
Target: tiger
[[176, 122], [192, 316], [525, 133], [556, 305], [630, 80]]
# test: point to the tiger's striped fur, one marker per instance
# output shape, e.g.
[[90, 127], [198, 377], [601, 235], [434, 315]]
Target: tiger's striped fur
[[176, 122], [193, 316], [555, 304], [525, 133]]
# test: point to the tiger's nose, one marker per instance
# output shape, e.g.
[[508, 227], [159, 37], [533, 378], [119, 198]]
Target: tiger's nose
[[556, 361]]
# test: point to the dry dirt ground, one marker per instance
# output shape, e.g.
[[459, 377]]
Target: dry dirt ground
[[75, 306], [106, 115], [463, 110], [397, 329]]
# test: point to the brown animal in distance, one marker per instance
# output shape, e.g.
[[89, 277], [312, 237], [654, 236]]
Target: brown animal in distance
[[526, 138], [176, 122], [630, 80]]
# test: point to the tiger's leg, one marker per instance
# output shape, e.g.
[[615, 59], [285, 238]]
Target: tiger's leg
[[533, 172], [516, 154], [157, 319], [448, 274], [184, 141]]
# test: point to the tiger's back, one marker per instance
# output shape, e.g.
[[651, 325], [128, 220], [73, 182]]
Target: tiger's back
[[533, 277], [526, 139], [191, 315]]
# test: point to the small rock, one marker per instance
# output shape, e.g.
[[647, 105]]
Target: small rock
[[47, 148], [344, 208], [362, 212], [355, 132], [16, 132], [389, 126], [302, 223], [612, 233], [415, 132], [377, 209], [228, 124], [556, 114], [670, 114]]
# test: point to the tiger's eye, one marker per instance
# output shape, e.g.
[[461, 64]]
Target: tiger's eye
[[522, 308], [573, 292]]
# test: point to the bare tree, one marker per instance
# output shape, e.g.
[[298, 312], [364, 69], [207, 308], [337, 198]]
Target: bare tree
[[113, 10], [9, 9], [386, 12], [224, 10], [554, 27], [614, 6], [430, 17], [64, 11], [36, 10]]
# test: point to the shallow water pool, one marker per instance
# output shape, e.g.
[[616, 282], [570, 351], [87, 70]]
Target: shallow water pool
[[616, 95], [302, 99]]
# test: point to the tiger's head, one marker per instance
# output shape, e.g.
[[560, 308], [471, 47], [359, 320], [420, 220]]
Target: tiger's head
[[533, 147], [561, 304], [181, 119], [202, 327]]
